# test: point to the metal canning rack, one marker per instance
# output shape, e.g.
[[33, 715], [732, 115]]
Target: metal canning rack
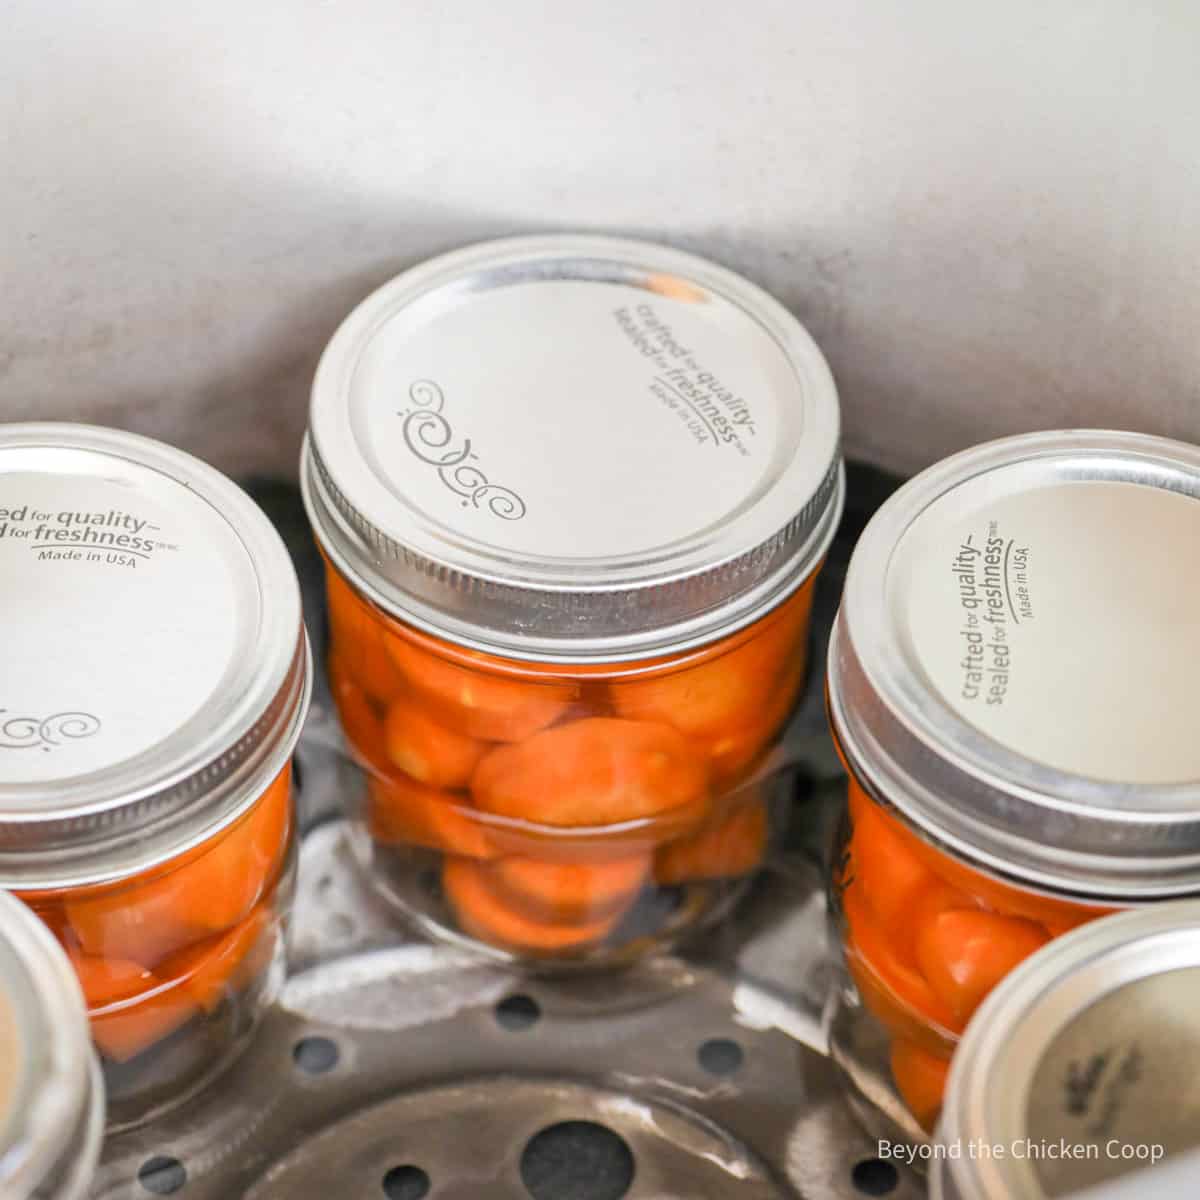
[[394, 1068]]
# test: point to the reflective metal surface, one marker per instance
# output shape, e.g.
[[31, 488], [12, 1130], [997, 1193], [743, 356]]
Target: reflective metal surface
[[573, 448], [1092, 1044], [1078, 828], [51, 1095], [393, 1067], [156, 670]]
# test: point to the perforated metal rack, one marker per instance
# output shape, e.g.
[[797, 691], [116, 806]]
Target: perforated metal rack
[[394, 1068]]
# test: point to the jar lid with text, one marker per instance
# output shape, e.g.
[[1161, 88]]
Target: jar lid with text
[[155, 664], [573, 448], [1080, 1068], [1013, 666]]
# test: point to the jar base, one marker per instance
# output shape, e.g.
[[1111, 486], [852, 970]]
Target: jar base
[[171, 1073], [858, 1048], [408, 881]]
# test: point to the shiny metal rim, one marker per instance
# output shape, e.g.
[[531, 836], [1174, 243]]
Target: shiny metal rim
[[59, 1097], [1004, 1043], [953, 780], [755, 604], [135, 814], [598, 611]]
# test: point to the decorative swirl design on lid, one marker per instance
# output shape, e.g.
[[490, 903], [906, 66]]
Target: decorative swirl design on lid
[[428, 435], [31, 733]]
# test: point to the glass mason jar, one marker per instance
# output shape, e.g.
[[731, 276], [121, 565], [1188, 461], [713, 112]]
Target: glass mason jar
[[51, 1093], [573, 494], [156, 678], [1010, 688], [1080, 1069]]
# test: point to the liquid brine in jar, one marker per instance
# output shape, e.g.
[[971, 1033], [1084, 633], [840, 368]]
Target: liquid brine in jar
[[1011, 685], [155, 680], [573, 495]]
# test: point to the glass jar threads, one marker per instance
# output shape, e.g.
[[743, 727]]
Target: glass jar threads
[[51, 1093], [156, 678], [573, 494], [1010, 687]]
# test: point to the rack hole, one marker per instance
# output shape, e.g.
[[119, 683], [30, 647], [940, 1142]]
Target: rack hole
[[315, 1055], [579, 1159], [875, 1177], [406, 1183], [162, 1175], [721, 1056], [517, 1013]]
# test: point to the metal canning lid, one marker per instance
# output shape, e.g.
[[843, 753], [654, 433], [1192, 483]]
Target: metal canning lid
[[1013, 663], [51, 1097], [155, 664], [573, 448], [1081, 1066]]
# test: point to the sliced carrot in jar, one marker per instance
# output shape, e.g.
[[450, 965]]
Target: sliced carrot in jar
[[703, 700], [131, 1027], [356, 632], [893, 991], [129, 1008], [428, 752], [964, 954], [50, 913], [476, 701], [570, 893], [732, 682], [1006, 897], [209, 970], [402, 812], [937, 897], [920, 1079], [734, 846], [598, 771], [361, 724], [208, 893], [106, 980], [733, 753], [886, 872], [486, 916]]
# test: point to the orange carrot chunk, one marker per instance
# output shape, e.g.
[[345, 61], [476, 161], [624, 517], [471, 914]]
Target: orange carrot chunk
[[920, 1079], [1007, 898], [357, 635], [597, 771], [734, 846], [734, 752], [895, 992], [703, 700], [209, 970], [489, 918], [475, 701], [570, 893], [735, 679], [362, 726], [129, 1008], [207, 894], [964, 954], [887, 873], [402, 812], [428, 752]]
